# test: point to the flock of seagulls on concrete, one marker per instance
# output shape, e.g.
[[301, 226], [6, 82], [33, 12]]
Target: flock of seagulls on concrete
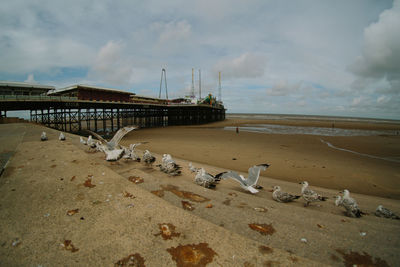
[[114, 151]]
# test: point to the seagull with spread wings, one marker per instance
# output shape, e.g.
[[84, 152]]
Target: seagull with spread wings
[[111, 148], [250, 183]]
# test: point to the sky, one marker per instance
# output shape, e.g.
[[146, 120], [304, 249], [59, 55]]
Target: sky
[[337, 58]]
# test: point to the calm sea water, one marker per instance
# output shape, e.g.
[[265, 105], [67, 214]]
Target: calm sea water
[[323, 131]]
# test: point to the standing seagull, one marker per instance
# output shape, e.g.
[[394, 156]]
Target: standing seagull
[[205, 179], [169, 166], [384, 212], [83, 141], [43, 137], [148, 158], [309, 195], [349, 203], [251, 182], [193, 168], [61, 137], [280, 196], [111, 148]]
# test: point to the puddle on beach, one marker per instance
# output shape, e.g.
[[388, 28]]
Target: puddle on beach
[[192, 255]]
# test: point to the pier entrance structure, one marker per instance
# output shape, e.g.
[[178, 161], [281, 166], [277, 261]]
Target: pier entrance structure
[[80, 107]]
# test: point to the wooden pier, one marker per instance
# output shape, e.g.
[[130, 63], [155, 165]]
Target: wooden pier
[[72, 115]]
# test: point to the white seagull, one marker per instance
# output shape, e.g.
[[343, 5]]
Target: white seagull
[[83, 141], [169, 166], [309, 195], [205, 179], [61, 137], [385, 212], [148, 158], [43, 137], [192, 168], [250, 183], [111, 148], [129, 153], [280, 196], [349, 203]]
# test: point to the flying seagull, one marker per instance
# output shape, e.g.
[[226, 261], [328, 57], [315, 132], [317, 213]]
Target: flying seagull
[[148, 158], [309, 195], [250, 183], [43, 137], [205, 179], [280, 196], [61, 137], [349, 203], [111, 148], [169, 166], [385, 212]]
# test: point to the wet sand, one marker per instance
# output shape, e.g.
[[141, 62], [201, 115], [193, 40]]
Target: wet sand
[[293, 158]]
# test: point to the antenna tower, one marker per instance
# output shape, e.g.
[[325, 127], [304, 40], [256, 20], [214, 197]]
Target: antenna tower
[[219, 86], [163, 73], [192, 95], [199, 83]]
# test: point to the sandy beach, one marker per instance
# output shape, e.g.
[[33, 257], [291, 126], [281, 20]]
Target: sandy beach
[[63, 204]]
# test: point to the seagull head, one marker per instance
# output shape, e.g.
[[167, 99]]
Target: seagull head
[[277, 188], [304, 183]]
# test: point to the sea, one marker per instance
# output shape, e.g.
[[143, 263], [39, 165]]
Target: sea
[[322, 131]]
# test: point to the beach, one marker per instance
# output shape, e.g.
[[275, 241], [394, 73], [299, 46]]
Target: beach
[[61, 203]]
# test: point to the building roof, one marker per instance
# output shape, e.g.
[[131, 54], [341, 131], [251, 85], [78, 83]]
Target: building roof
[[26, 85], [90, 87]]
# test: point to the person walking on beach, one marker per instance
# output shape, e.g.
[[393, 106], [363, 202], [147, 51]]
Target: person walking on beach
[[237, 129]]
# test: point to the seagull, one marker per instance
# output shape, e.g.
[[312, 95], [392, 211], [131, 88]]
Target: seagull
[[61, 137], [148, 158], [90, 142], [251, 182], [349, 203], [111, 148], [43, 137], [280, 196], [169, 166], [129, 153], [205, 179], [83, 141], [384, 212], [192, 168], [309, 195]]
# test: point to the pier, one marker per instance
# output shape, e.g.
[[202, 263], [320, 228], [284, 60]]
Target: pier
[[75, 110]]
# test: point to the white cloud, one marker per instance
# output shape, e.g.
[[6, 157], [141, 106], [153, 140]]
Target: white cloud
[[283, 88], [174, 31], [247, 65]]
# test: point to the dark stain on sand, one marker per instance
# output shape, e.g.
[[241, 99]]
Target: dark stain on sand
[[265, 249], [356, 259], [186, 205], [67, 245], [135, 260], [264, 229], [136, 179], [167, 231], [227, 202], [159, 193], [184, 194], [88, 183], [192, 255]]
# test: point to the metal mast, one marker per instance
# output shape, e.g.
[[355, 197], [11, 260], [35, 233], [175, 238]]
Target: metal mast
[[199, 83], [219, 86], [192, 91], [163, 72]]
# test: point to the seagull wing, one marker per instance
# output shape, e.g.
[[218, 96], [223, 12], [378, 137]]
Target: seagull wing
[[234, 175], [120, 134], [101, 139], [254, 173]]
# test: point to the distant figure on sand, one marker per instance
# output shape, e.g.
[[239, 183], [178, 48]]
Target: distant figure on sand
[[237, 129]]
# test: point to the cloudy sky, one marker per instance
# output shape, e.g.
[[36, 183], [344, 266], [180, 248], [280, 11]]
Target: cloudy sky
[[288, 57]]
